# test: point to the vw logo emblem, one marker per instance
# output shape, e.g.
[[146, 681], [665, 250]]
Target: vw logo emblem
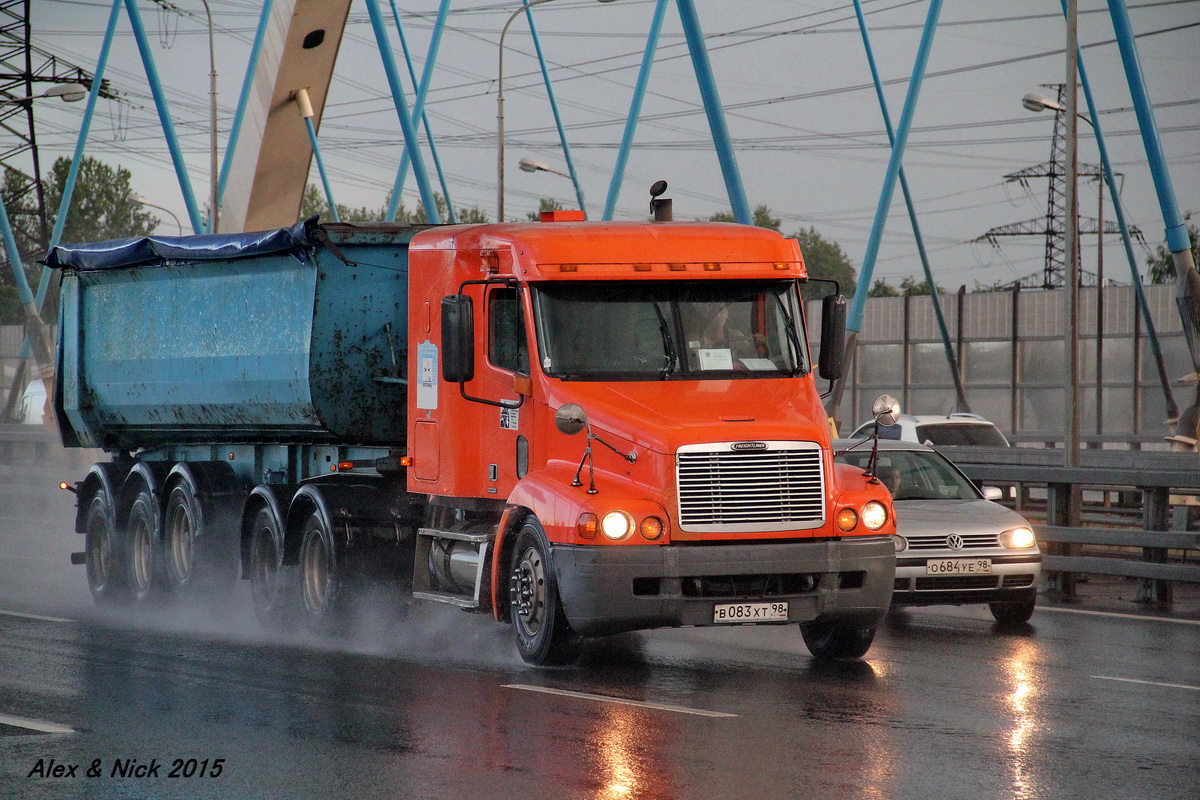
[[954, 542]]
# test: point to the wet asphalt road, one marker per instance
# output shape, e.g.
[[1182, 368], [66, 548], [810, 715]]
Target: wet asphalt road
[[946, 704]]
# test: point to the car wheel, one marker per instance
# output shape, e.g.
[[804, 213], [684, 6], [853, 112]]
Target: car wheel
[[836, 641], [544, 637], [1014, 613]]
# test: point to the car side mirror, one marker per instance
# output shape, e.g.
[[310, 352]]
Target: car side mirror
[[993, 493]]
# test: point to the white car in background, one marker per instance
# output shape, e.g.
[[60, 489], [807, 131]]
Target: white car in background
[[33, 403], [954, 545], [958, 429]]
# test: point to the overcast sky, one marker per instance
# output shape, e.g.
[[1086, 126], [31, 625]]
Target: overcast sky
[[792, 76]]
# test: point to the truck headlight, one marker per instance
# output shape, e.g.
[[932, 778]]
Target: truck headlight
[[616, 525], [874, 515], [1018, 539]]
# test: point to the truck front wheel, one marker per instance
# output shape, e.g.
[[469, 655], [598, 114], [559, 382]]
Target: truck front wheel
[[544, 637], [836, 641]]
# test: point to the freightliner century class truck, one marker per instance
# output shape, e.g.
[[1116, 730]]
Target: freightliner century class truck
[[579, 428]]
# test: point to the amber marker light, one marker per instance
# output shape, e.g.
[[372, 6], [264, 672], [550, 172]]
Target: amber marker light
[[407, 461], [847, 518], [586, 525], [651, 528], [66, 487]]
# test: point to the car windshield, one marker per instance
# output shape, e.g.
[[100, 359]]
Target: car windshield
[[958, 434], [915, 474], [670, 330]]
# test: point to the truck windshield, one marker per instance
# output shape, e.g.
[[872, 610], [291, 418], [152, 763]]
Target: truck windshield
[[670, 330]]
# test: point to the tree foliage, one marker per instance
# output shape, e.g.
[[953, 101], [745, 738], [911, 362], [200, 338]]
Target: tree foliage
[[102, 204], [824, 258], [315, 203], [1162, 266]]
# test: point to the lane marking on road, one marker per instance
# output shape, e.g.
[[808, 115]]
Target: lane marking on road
[[1141, 617], [1147, 683], [34, 725], [618, 701], [34, 616]]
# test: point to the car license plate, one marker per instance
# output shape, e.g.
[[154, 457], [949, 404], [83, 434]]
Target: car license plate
[[958, 566], [750, 612]]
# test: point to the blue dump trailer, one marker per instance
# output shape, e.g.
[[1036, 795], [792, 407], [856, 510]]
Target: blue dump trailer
[[232, 377], [527, 420]]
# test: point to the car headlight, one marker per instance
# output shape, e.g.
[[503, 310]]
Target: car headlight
[[874, 515], [1018, 539], [900, 542], [616, 525]]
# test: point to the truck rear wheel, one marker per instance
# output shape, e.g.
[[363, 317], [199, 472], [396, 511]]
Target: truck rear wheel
[[100, 550], [544, 637], [320, 584], [179, 538], [269, 584], [137, 551], [836, 641]]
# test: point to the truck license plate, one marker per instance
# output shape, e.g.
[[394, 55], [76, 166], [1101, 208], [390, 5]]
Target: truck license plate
[[750, 612], [958, 566]]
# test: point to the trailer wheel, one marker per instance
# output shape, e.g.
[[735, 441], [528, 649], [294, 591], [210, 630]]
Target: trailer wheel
[[179, 539], [836, 641], [269, 583], [138, 557], [321, 586], [100, 549], [544, 637]]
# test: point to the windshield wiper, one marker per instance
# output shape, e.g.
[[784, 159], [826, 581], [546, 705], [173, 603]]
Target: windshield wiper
[[668, 344], [793, 339]]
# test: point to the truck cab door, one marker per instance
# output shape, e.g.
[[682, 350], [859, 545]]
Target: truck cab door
[[504, 377]]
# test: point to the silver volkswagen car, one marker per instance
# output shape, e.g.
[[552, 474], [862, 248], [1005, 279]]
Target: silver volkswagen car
[[953, 544]]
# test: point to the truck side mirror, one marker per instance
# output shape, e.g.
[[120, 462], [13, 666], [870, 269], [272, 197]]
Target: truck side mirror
[[458, 336], [833, 336]]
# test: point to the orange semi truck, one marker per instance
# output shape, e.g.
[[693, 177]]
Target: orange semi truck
[[579, 428]]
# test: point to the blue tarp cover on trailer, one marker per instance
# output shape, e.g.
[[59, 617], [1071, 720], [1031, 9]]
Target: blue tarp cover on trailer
[[158, 250]]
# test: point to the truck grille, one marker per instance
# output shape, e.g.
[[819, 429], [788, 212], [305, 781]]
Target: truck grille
[[750, 486]]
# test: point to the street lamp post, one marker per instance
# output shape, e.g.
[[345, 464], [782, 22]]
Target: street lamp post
[[212, 94], [69, 92], [531, 165], [500, 106], [137, 198]]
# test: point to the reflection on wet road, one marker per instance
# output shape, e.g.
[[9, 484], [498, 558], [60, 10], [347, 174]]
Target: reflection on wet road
[[947, 704]]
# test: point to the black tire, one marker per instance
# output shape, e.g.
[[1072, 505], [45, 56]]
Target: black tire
[[138, 571], [321, 585], [1016, 613], [544, 637], [101, 546], [271, 586], [181, 529], [834, 641]]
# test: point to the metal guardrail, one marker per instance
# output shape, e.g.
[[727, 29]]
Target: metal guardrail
[[1159, 484]]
